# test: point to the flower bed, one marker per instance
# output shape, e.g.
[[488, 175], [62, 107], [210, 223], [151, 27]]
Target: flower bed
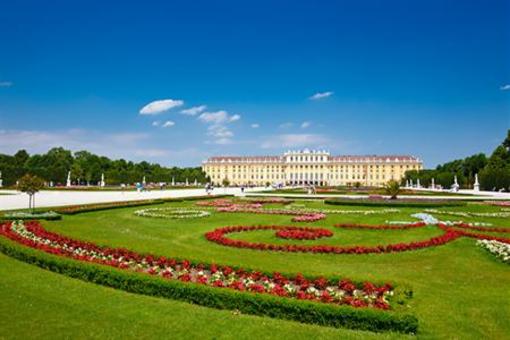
[[309, 217], [498, 203], [25, 215], [34, 235], [500, 249], [382, 226], [303, 233], [407, 203], [503, 214], [219, 236], [347, 212], [301, 216], [274, 200], [172, 213], [471, 226], [264, 294], [218, 203]]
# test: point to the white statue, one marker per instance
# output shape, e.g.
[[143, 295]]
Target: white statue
[[143, 181], [102, 184], [407, 183], [476, 186], [1, 180], [433, 185], [196, 182], [455, 186], [68, 183], [410, 183], [173, 181], [187, 183], [418, 185]]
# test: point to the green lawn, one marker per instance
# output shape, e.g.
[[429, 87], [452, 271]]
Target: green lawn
[[460, 290]]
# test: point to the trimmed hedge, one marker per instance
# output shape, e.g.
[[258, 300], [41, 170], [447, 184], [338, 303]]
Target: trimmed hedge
[[395, 203], [29, 216], [249, 303]]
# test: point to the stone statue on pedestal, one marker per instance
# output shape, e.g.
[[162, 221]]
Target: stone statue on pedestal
[[476, 186], [455, 186], [68, 183]]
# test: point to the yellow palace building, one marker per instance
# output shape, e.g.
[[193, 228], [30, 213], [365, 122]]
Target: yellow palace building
[[309, 167]]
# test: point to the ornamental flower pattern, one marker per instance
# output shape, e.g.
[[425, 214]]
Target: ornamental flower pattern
[[320, 289], [297, 233], [219, 236], [301, 215], [499, 249], [172, 213], [382, 226], [450, 233], [502, 214]]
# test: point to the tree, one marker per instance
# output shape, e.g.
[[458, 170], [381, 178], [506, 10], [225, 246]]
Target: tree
[[30, 185], [392, 188], [225, 182], [506, 142]]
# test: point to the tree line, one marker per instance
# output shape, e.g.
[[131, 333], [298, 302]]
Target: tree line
[[493, 171], [86, 168]]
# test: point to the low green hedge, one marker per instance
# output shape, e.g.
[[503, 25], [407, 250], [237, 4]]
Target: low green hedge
[[395, 203], [26, 216], [249, 303]]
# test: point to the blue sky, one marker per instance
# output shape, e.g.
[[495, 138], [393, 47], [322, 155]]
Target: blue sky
[[425, 78]]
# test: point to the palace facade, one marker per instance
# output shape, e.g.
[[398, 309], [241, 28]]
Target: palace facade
[[309, 167]]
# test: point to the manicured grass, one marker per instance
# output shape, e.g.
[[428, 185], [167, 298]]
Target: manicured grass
[[60, 307], [459, 289]]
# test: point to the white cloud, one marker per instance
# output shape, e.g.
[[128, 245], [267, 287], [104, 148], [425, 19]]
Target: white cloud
[[217, 128], [255, 125], [218, 117], [286, 125], [127, 145], [321, 95], [159, 106], [192, 111], [156, 123], [305, 125], [505, 87], [168, 123], [294, 140], [36, 141], [6, 83], [219, 131]]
